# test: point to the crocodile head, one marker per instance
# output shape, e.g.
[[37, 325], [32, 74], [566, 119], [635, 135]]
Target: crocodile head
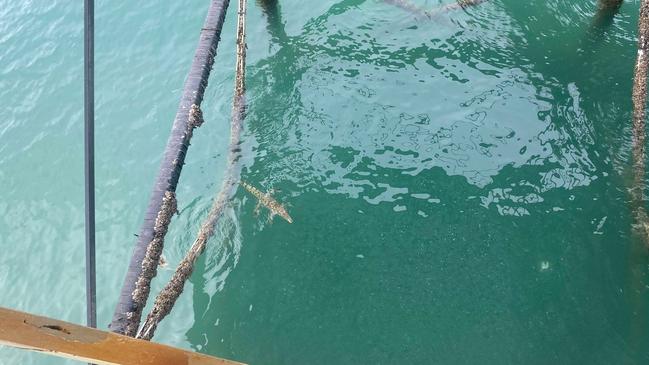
[[281, 211]]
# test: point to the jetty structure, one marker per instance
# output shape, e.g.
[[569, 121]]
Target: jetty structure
[[166, 299], [119, 347], [162, 203]]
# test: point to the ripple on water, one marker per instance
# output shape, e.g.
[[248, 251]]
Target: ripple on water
[[361, 109]]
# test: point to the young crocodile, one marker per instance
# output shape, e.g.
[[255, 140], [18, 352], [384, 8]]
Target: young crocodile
[[268, 201]]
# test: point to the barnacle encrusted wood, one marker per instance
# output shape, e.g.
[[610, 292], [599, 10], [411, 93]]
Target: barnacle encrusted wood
[[134, 293], [639, 113], [195, 118], [165, 301], [152, 258]]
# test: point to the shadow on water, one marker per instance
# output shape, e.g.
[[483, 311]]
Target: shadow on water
[[606, 12], [275, 27]]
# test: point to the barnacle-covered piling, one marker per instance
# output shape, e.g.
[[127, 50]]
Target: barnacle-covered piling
[[146, 254], [639, 97], [165, 301]]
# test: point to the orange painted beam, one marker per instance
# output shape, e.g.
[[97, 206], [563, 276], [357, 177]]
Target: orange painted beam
[[58, 338]]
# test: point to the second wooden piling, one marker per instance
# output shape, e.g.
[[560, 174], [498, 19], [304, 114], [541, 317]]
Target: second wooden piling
[[639, 114]]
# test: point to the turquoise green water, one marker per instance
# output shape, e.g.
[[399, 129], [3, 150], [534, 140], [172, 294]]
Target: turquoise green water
[[458, 185]]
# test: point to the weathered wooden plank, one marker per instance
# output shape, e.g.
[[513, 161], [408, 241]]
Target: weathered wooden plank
[[58, 338], [606, 11]]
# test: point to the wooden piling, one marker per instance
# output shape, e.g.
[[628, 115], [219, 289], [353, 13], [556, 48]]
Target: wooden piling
[[165, 301], [639, 134], [162, 203]]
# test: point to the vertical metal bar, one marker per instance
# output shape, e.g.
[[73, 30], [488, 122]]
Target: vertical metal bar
[[89, 149]]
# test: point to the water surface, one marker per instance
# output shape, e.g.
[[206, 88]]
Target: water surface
[[459, 184]]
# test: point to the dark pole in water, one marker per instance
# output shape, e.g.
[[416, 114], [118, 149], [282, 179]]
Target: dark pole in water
[[639, 105], [610, 4], [275, 26], [606, 11], [162, 203], [89, 149]]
